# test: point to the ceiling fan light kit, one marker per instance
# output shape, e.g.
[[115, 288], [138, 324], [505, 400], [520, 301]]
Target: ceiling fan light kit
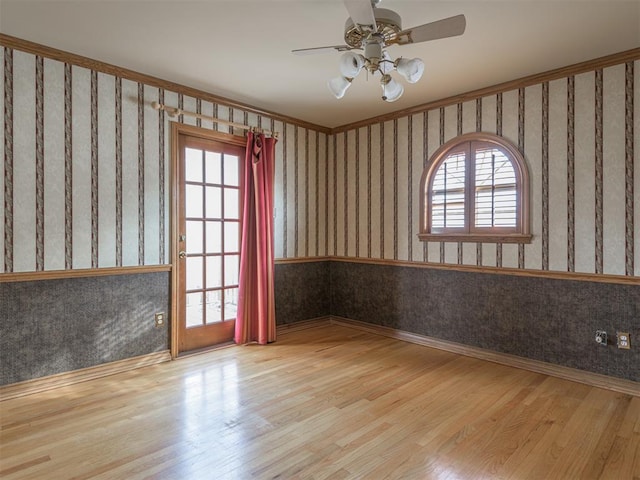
[[391, 90], [371, 30], [375, 61], [339, 86], [411, 70], [351, 64]]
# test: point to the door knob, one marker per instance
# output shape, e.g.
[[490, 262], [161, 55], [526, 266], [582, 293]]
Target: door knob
[[182, 254]]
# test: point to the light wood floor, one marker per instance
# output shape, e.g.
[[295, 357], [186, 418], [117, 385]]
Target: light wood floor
[[328, 402]]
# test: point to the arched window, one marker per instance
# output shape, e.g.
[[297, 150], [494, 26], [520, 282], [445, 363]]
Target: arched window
[[475, 188]]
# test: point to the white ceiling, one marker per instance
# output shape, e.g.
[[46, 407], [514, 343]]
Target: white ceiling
[[240, 49]]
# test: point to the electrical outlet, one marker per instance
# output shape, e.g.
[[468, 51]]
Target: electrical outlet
[[159, 318], [623, 340], [601, 337]]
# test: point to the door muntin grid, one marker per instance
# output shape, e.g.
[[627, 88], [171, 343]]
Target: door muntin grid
[[212, 227]]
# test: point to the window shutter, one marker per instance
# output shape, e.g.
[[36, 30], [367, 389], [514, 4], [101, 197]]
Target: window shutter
[[448, 193], [475, 188], [495, 189]]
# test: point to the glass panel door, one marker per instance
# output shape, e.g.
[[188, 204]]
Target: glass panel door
[[209, 240]]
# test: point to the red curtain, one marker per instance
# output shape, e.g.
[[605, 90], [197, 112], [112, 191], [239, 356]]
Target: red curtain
[[256, 319]]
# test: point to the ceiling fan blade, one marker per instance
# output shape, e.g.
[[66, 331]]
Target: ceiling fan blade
[[316, 50], [447, 27], [361, 13]]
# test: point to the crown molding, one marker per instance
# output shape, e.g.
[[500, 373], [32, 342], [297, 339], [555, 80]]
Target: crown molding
[[107, 68]]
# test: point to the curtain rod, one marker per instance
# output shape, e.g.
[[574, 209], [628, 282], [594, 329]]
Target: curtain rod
[[173, 111]]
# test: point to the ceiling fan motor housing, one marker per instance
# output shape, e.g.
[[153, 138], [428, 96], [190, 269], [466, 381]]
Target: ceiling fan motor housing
[[388, 23]]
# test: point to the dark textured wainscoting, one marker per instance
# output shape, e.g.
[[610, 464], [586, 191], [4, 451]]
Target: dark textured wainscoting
[[55, 326], [538, 318], [301, 291]]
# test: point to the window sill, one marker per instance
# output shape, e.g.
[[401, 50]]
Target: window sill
[[475, 237]]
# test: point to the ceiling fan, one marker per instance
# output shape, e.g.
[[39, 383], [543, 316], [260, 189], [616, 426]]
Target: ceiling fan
[[371, 30]]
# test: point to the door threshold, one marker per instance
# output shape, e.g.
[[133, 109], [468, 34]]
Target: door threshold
[[210, 348]]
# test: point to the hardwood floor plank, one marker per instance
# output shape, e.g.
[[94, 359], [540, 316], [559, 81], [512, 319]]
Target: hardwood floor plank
[[620, 461], [603, 449], [327, 402], [24, 466]]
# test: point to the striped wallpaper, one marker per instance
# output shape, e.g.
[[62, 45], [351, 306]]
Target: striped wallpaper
[[579, 136], [86, 162]]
